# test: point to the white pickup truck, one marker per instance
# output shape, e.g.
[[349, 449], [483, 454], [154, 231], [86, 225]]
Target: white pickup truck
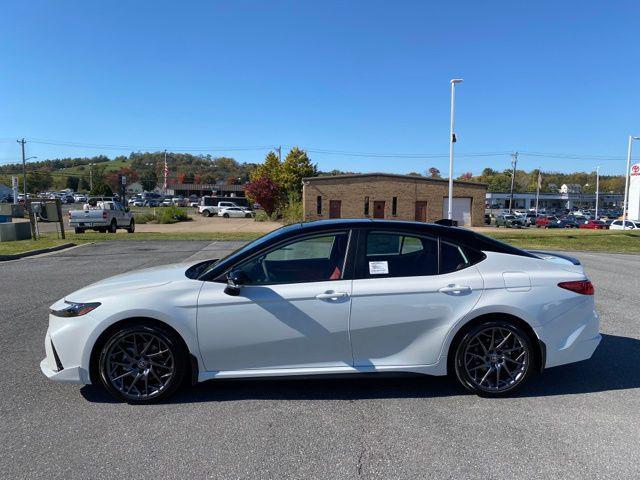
[[212, 210], [101, 216]]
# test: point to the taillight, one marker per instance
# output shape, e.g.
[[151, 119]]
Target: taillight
[[583, 287], [105, 215]]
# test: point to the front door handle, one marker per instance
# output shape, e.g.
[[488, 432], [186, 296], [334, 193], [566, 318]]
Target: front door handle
[[455, 289], [332, 295]]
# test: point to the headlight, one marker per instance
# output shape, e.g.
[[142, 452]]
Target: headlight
[[75, 309]]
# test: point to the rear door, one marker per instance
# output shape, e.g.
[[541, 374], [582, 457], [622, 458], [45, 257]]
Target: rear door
[[408, 292]]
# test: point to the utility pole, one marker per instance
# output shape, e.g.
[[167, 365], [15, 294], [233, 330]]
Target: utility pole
[[539, 184], [279, 149], [597, 188], [24, 169], [91, 176], [514, 164]]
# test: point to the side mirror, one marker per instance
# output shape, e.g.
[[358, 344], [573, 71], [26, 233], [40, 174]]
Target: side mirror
[[235, 279]]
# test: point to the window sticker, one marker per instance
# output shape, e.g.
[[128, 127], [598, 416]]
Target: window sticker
[[378, 268]]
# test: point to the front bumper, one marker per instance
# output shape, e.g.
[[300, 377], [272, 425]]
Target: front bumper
[[67, 359]]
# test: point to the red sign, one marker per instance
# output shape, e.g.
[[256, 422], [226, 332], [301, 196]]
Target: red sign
[[635, 169]]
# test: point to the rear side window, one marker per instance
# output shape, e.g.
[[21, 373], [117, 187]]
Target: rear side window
[[399, 255], [452, 258]]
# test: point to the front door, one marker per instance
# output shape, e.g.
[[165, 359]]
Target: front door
[[402, 307], [335, 207], [421, 212], [292, 310], [378, 209]]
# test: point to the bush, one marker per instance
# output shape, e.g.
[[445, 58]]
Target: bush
[[261, 216], [141, 218], [172, 214], [292, 212]]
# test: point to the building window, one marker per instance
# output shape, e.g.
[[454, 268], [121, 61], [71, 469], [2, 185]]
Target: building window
[[366, 206], [319, 204], [394, 206]]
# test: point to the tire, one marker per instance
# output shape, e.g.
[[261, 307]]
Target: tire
[[206, 213], [78, 230], [225, 215], [487, 371], [248, 215], [132, 226], [113, 227], [123, 370]]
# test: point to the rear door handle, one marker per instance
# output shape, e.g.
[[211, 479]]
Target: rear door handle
[[455, 289], [332, 295]]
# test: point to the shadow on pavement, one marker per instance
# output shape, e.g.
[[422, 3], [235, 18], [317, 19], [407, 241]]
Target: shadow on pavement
[[614, 366]]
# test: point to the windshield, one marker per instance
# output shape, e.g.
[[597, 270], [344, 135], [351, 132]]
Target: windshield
[[256, 243]]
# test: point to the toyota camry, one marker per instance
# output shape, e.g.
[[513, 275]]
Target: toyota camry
[[330, 297]]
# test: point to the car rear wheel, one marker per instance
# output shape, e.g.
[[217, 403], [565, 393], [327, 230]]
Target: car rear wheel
[[206, 213], [132, 226], [78, 230], [113, 227], [493, 359], [248, 215], [141, 364], [225, 215]]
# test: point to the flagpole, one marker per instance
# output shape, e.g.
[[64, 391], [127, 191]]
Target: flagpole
[[166, 171], [538, 190]]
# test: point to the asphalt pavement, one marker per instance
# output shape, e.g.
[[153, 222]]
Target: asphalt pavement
[[577, 421]]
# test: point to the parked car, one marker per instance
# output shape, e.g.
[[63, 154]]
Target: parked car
[[509, 221], [80, 198], [594, 225], [101, 216], [323, 298], [630, 225], [166, 202], [236, 212], [544, 221], [564, 223], [151, 202], [210, 210], [136, 202]]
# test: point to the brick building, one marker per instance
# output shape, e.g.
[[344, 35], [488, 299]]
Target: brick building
[[399, 197]]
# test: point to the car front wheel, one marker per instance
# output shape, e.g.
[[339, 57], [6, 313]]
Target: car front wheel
[[206, 213], [141, 364], [493, 359]]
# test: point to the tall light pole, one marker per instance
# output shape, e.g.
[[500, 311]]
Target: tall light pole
[[452, 140], [626, 182], [597, 188], [514, 165]]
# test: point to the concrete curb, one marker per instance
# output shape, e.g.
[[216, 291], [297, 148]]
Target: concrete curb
[[16, 256]]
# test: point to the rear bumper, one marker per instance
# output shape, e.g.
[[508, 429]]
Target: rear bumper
[[572, 344]]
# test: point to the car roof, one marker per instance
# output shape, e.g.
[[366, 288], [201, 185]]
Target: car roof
[[455, 234]]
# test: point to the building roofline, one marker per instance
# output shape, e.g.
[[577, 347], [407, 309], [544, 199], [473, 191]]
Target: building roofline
[[390, 175]]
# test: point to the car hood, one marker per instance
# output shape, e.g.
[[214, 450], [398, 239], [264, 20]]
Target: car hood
[[126, 282]]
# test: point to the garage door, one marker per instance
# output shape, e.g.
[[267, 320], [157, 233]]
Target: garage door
[[461, 210]]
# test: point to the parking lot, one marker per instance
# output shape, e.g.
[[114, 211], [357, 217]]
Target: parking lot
[[577, 421]]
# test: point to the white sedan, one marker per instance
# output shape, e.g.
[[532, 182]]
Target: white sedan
[[629, 225], [235, 212], [328, 297]]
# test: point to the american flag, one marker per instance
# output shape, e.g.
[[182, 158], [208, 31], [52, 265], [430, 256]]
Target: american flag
[[166, 171]]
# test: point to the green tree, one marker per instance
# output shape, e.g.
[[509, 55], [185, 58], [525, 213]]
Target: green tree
[[72, 183], [271, 169], [101, 190], [83, 185], [295, 167], [38, 181]]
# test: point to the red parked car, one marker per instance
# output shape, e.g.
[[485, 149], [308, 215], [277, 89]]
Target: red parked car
[[543, 222], [594, 225]]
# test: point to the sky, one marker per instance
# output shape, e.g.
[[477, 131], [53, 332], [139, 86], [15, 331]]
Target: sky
[[363, 85]]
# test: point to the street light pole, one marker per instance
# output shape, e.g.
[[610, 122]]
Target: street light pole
[[452, 140], [626, 182], [597, 188]]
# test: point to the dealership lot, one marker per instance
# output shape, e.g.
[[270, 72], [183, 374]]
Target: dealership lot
[[578, 421]]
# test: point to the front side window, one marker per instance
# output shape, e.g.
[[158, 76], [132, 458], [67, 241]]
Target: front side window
[[312, 259], [399, 255]]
